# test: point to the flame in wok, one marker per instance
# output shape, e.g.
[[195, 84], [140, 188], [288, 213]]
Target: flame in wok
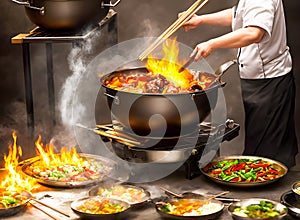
[[169, 66]]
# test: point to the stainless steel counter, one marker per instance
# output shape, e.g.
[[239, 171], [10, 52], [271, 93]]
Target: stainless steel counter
[[61, 198]]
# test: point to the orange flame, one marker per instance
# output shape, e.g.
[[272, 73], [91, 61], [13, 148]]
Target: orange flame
[[48, 158], [14, 181], [170, 65]]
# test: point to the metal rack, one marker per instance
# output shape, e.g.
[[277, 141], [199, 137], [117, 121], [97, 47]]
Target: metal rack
[[39, 35]]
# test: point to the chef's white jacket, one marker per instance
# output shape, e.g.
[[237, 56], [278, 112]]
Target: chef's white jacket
[[269, 58]]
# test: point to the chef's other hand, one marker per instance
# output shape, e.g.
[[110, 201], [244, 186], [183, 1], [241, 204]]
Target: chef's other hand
[[192, 23], [202, 50]]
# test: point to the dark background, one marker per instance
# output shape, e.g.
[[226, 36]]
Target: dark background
[[136, 18]]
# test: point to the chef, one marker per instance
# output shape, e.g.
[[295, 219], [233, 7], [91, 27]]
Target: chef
[[265, 66]]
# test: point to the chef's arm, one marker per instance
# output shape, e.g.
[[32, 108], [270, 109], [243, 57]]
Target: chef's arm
[[221, 18], [236, 39]]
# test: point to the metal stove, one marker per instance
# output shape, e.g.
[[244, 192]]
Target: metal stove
[[49, 37], [142, 150]]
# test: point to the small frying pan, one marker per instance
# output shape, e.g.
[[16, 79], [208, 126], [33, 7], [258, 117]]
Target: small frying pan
[[215, 205]]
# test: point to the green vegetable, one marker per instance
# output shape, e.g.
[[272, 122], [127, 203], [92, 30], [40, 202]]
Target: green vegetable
[[165, 208], [262, 210], [8, 201], [56, 174]]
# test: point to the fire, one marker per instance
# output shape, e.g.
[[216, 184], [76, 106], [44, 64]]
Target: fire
[[48, 158], [169, 65], [14, 181]]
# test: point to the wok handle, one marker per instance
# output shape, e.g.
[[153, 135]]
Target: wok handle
[[27, 4], [111, 4], [116, 98]]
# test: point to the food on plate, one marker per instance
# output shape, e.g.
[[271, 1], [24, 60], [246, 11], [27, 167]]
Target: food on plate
[[87, 170], [157, 83], [99, 206], [242, 170], [10, 200], [127, 193], [264, 209], [297, 190], [187, 207]]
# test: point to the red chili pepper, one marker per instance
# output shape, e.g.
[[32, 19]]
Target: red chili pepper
[[237, 179], [216, 171], [272, 171], [228, 171], [261, 173], [263, 165], [237, 167]]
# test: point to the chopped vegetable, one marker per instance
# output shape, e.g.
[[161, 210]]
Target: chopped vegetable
[[100, 206], [92, 169], [9, 200], [126, 193], [262, 210], [242, 170], [186, 207]]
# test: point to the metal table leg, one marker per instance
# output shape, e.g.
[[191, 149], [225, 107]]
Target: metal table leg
[[28, 86], [50, 82]]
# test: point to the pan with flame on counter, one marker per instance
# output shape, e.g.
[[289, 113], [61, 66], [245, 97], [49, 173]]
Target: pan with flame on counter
[[16, 189], [66, 169]]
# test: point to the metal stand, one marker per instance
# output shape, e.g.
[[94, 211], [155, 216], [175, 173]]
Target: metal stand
[[38, 35]]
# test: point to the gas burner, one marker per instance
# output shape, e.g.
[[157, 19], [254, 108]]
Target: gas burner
[[188, 152], [207, 132]]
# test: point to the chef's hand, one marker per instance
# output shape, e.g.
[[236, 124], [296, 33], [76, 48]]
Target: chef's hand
[[194, 22], [202, 50]]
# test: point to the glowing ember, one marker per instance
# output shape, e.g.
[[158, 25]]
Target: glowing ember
[[169, 66], [13, 180]]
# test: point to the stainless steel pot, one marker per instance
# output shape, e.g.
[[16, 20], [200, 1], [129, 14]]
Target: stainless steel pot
[[66, 14], [151, 114]]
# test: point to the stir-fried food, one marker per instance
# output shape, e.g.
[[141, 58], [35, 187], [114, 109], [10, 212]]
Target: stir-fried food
[[297, 190], [156, 83], [242, 170], [186, 207], [127, 193], [100, 206], [10, 199], [88, 170], [262, 210]]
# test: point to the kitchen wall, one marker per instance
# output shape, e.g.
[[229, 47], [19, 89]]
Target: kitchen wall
[[136, 18]]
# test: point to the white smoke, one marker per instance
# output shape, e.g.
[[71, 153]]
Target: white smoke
[[78, 63]]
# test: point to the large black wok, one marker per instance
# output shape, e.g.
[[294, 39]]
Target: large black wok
[[159, 115], [66, 14]]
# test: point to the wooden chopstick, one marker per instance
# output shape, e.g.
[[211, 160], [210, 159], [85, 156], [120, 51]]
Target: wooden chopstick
[[46, 205], [107, 127], [170, 192], [121, 135], [174, 27], [165, 33], [217, 195], [188, 17], [103, 133], [44, 211]]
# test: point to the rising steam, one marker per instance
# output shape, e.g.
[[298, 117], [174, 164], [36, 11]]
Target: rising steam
[[78, 64]]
